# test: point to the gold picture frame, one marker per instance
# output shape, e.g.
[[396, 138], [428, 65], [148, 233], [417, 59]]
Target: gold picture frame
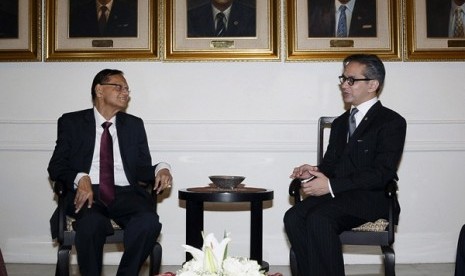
[[265, 45], [434, 44], [301, 46], [24, 43], [61, 46]]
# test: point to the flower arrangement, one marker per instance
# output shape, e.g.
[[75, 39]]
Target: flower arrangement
[[213, 260]]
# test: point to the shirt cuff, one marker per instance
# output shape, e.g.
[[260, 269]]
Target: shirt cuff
[[78, 178], [330, 189], [161, 166]]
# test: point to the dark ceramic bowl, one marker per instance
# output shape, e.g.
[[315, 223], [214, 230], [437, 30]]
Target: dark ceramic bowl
[[226, 181]]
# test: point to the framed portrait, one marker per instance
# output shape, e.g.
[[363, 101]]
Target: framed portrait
[[84, 30], [20, 33], [228, 30], [434, 31], [327, 30]]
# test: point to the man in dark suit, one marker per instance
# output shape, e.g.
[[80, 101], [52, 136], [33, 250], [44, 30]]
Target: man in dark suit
[[349, 186], [238, 19], [440, 18], [103, 18], [324, 15], [460, 257], [78, 161]]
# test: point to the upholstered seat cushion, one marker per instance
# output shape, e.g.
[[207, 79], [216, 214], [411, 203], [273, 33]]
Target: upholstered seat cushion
[[377, 226], [71, 220]]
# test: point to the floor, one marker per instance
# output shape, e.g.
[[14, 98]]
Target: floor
[[359, 270]]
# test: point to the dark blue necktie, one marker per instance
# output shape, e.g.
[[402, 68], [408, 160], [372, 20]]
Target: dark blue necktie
[[220, 27], [342, 24], [107, 177]]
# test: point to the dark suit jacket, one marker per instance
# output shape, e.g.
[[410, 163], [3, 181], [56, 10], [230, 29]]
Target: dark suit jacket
[[9, 24], [242, 21], [122, 21], [360, 168], [322, 19], [75, 147], [437, 18]]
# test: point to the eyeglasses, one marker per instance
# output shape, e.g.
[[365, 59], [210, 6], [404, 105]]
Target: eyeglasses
[[118, 87], [350, 80]]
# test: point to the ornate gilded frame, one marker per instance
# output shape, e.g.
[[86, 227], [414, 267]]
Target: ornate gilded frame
[[419, 46], [60, 47], [27, 46], [301, 47], [265, 46]]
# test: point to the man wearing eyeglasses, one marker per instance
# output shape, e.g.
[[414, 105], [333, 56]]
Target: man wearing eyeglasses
[[80, 161], [348, 188]]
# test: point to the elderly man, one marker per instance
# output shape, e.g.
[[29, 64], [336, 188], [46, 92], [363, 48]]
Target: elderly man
[[101, 154]]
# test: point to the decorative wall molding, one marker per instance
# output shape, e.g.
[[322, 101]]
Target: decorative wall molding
[[225, 135]]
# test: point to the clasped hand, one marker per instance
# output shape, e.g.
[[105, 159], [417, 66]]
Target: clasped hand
[[316, 187]]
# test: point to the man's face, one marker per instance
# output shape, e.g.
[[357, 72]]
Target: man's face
[[360, 91], [222, 4], [113, 93]]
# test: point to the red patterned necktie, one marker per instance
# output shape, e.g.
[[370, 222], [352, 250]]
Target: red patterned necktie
[[107, 178]]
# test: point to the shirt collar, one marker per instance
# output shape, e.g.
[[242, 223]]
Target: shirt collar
[[350, 5], [99, 119], [226, 12], [455, 6], [109, 5], [364, 107]]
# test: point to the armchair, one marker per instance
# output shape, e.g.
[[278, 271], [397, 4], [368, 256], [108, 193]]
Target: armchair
[[66, 233], [378, 233]]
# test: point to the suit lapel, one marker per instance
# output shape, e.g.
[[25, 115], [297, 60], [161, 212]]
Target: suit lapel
[[122, 133], [366, 121], [88, 130]]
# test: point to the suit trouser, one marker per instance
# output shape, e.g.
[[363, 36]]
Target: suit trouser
[[460, 259], [313, 227], [134, 212]]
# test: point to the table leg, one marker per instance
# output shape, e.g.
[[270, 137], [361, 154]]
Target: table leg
[[194, 225], [256, 231]]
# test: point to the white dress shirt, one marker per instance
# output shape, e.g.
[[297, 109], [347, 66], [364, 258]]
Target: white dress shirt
[[120, 176]]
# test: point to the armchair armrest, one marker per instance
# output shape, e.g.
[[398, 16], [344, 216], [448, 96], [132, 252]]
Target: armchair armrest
[[294, 189], [59, 188], [391, 189]]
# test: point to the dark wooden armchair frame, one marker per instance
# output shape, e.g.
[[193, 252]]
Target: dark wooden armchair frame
[[65, 238], [384, 238]]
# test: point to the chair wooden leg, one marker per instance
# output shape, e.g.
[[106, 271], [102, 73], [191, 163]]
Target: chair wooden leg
[[293, 263], [62, 268], [389, 261], [155, 260]]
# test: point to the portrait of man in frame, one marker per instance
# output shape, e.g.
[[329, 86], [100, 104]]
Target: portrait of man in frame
[[324, 16], [441, 18], [103, 18], [221, 18]]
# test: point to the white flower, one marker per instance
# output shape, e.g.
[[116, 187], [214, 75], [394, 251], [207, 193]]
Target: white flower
[[212, 260]]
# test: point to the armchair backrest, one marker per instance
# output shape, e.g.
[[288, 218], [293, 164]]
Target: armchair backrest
[[324, 123]]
